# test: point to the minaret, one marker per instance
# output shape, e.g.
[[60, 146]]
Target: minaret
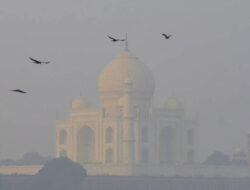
[[248, 147], [126, 42], [128, 141]]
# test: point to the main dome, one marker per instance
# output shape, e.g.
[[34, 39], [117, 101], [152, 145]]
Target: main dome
[[122, 67]]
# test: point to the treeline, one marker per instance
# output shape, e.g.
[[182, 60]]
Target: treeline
[[57, 174], [30, 158]]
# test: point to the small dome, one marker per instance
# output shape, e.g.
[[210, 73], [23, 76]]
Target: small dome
[[79, 102], [173, 103], [123, 68], [239, 153]]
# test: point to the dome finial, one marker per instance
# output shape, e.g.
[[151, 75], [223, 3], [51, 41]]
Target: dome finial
[[126, 42], [172, 94], [56, 115]]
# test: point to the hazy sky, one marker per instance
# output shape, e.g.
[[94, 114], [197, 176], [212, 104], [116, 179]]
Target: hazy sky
[[205, 64]]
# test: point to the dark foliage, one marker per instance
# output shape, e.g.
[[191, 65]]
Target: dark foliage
[[239, 162], [218, 158], [60, 174]]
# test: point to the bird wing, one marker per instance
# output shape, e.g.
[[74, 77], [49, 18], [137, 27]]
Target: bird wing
[[21, 91], [111, 38], [164, 35], [34, 60], [18, 90]]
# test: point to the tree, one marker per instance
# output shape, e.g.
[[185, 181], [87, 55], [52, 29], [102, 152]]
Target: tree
[[32, 158], [217, 158], [60, 174]]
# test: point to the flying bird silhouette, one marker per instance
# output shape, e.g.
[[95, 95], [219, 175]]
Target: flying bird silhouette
[[166, 36], [115, 39], [20, 91], [37, 61]]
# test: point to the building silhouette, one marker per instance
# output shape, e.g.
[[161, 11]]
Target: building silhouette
[[126, 131]]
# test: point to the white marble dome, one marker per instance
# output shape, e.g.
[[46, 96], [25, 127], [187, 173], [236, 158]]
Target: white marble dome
[[173, 103], [122, 67]]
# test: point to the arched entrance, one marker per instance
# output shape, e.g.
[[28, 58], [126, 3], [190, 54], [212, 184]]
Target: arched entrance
[[144, 156], [109, 135], [109, 156], [190, 137], [167, 145], [190, 157], [63, 137], [86, 145]]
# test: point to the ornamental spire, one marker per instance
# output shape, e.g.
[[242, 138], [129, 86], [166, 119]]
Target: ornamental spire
[[126, 42]]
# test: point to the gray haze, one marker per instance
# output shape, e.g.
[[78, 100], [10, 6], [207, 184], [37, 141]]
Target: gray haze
[[205, 64]]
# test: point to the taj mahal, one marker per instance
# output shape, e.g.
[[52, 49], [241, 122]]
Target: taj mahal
[[127, 134]]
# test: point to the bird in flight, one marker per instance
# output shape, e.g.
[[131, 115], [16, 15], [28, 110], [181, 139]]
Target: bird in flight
[[37, 61], [115, 39], [166, 36], [18, 90]]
